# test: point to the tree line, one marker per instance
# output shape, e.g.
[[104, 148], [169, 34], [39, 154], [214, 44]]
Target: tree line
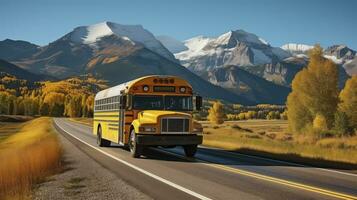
[[73, 97]]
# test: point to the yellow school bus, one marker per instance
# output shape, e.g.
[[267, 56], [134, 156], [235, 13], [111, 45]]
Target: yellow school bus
[[149, 111]]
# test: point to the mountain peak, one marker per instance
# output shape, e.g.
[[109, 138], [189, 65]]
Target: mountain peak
[[232, 37], [135, 33], [90, 34]]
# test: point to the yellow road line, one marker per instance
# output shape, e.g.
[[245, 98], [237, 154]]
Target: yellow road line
[[284, 182], [271, 179], [268, 178]]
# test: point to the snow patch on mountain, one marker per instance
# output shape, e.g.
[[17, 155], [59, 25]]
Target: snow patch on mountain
[[296, 48], [195, 48], [134, 33], [334, 59], [90, 34], [231, 48]]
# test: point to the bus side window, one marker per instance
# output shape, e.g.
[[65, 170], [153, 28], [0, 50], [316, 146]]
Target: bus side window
[[123, 101]]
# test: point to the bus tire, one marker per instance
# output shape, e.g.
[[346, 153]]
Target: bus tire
[[100, 141], [134, 147], [190, 150]]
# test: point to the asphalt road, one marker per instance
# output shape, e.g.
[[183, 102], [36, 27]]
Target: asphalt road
[[213, 174]]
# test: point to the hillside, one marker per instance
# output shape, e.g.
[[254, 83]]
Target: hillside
[[116, 53], [244, 83], [11, 69], [17, 49]]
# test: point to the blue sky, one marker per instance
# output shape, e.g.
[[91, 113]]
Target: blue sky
[[278, 21]]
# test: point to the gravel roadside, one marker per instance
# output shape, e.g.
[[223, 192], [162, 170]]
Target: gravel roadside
[[84, 178]]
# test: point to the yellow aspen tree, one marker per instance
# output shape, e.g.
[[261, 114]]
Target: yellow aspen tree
[[215, 113], [314, 91], [348, 104]]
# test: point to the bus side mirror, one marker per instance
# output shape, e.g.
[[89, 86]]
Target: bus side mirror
[[198, 102], [122, 101]]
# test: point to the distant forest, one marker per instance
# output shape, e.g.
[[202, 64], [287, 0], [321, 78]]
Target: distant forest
[[73, 97]]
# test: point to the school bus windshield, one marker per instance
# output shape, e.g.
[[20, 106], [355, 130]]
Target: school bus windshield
[[149, 102]]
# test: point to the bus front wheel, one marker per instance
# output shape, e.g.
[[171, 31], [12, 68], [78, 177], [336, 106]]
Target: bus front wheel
[[190, 150], [135, 148], [100, 141]]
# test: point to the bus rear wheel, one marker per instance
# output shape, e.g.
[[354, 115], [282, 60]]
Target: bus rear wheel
[[135, 148], [100, 141], [190, 150]]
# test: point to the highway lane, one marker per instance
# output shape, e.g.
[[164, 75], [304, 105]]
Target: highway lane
[[215, 174]]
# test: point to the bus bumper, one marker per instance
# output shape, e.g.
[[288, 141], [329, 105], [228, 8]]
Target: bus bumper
[[145, 139]]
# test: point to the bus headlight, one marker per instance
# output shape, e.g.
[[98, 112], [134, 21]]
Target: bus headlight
[[146, 88], [182, 89], [147, 129]]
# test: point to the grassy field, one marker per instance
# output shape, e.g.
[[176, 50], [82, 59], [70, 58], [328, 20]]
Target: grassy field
[[270, 138], [31, 152]]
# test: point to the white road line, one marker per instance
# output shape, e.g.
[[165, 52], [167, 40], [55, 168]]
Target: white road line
[[280, 161], [273, 160], [190, 192]]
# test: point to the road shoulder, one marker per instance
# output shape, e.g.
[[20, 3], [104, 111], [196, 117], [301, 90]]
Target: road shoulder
[[84, 178]]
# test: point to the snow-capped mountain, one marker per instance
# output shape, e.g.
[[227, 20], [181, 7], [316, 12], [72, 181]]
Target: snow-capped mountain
[[173, 45], [113, 52], [134, 33], [340, 54], [297, 49], [238, 48]]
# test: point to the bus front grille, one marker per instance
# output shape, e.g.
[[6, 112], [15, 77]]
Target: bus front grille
[[175, 125]]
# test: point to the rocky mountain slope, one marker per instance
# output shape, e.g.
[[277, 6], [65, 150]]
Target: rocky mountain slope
[[238, 48], [258, 57], [116, 53], [241, 82]]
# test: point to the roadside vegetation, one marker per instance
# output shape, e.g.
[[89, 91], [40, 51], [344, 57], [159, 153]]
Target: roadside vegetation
[[271, 138], [29, 152], [321, 120]]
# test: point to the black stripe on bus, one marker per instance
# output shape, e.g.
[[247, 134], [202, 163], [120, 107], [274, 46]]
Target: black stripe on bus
[[106, 115], [105, 111], [113, 124], [114, 129], [102, 120]]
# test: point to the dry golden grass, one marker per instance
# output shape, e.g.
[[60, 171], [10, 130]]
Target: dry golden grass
[[27, 157], [272, 136]]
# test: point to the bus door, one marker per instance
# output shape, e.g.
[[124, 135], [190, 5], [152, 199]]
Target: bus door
[[122, 106]]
